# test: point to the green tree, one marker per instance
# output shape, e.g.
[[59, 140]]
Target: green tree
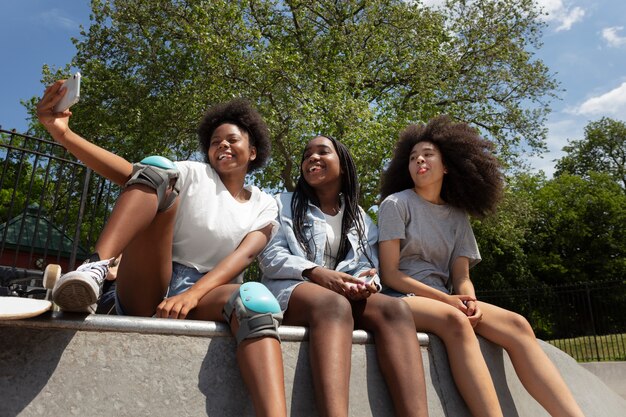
[[602, 150], [359, 70], [502, 238], [578, 234]]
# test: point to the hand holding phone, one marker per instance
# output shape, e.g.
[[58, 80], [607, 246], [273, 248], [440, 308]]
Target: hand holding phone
[[367, 280], [72, 85]]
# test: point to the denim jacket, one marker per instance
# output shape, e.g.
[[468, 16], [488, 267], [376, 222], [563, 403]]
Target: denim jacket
[[284, 258]]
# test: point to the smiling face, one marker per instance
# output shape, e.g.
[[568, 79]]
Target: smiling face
[[426, 165], [320, 164], [230, 150]]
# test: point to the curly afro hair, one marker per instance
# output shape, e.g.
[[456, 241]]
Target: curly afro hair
[[474, 181], [240, 113]]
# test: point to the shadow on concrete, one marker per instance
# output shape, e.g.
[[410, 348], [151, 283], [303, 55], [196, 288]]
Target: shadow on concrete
[[494, 356], [29, 369], [378, 396], [220, 381], [302, 392]]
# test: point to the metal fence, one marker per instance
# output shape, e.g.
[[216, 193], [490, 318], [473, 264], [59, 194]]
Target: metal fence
[[587, 320], [52, 209]]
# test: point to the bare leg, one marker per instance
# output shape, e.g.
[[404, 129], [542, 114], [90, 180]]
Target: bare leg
[[467, 364], [537, 373], [260, 360], [144, 236], [397, 349], [329, 318]]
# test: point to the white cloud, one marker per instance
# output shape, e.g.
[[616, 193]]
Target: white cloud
[[612, 37], [428, 3], [433, 3], [612, 103], [564, 16], [57, 18]]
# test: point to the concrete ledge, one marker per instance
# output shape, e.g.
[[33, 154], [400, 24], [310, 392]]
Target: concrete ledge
[[60, 365], [612, 374]]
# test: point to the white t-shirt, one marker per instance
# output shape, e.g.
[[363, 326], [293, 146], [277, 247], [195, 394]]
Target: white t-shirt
[[333, 238], [210, 223]]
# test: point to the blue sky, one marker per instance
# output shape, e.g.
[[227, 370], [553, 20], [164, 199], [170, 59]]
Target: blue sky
[[584, 45]]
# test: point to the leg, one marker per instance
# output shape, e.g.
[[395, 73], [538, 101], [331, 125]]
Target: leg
[[329, 318], [260, 360], [467, 364], [397, 349], [537, 373], [144, 236]]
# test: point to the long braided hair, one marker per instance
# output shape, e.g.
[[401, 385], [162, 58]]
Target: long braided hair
[[305, 194]]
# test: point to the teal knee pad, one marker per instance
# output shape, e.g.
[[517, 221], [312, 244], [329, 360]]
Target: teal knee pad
[[257, 312], [158, 173]]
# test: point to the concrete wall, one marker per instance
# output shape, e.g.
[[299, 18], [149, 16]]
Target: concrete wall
[[612, 374], [64, 365]]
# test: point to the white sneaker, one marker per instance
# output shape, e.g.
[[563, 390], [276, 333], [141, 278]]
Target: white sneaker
[[78, 291]]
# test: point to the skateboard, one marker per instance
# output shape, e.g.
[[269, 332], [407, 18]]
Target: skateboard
[[14, 308]]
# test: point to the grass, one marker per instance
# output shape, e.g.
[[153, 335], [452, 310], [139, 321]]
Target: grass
[[594, 348]]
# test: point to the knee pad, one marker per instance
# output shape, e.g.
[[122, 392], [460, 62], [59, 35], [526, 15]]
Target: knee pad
[[257, 312], [159, 173]]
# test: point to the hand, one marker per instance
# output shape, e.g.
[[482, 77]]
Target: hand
[[333, 280], [55, 123], [474, 313], [363, 290], [178, 306], [460, 302]]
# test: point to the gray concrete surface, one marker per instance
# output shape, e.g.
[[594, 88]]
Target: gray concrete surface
[[65, 365], [613, 374]]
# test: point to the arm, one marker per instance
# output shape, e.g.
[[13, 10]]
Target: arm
[[228, 268], [367, 265], [396, 279], [105, 163], [282, 260], [278, 262], [463, 286]]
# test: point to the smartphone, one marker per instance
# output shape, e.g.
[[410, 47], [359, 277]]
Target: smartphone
[[370, 278], [72, 85]]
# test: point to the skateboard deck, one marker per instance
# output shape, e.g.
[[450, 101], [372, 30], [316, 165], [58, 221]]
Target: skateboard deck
[[13, 308]]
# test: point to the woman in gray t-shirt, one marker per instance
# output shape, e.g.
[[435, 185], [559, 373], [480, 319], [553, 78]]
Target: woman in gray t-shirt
[[440, 173]]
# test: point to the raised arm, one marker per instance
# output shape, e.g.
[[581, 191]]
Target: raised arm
[[105, 163]]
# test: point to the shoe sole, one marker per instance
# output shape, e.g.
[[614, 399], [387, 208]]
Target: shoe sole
[[75, 296]]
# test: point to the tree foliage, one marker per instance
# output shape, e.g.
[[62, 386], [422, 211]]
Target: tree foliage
[[502, 239], [578, 233], [359, 70], [602, 150], [566, 230]]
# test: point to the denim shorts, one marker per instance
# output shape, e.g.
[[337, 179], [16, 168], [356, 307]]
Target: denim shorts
[[183, 277], [393, 293]]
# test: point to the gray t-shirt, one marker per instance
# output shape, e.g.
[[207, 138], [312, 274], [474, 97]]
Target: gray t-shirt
[[431, 237]]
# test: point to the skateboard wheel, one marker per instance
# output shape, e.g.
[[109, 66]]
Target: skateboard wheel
[[50, 275]]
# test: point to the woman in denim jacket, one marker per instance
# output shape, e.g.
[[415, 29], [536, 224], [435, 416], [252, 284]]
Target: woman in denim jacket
[[321, 266]]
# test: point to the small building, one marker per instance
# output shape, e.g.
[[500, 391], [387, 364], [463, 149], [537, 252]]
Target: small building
[[29, 241]]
